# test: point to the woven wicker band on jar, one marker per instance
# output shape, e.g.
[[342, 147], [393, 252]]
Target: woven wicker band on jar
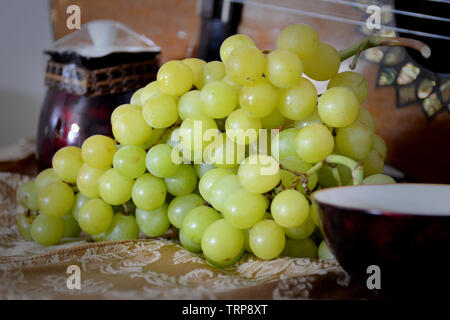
[[112, 80]]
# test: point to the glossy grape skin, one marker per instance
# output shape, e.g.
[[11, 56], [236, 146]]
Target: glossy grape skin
[[378, 179], [95, 216], [223, 152], [365, 117], [160, 111], [98, 151], [179, 207], [56, 199], [44, 178], [193, 140], [312, 118], [244, 209], [149, 192], [354, 141], [283, 68], [153, 223], [123, 227], [196, 66], [289, 208], [222, 189], [301, 231], [380, 146], [151, 90], [209, 178], [202, 168], [66, 162], [87, 180], [222, 244], [241, 127], [188, 244], [285, 144], [157, 136], [78, 202], [23, 224], [159, 161], [338, 107], [353, 81], [190, 104], [372, 163], [114, 188], [129, 126], [172, 137], [314, 143], [47, 230], [197, 220], [324, 252], [130, 161], [27, 195], [232, 42], [245, 64], [175, 78], [218, 99], [71, 227], [300, 39], [324, 64], [299, 101], [305, 248], [259, 173], [259, 99], [293, 164], [183, 182], [267, 239], [136, 98], [212, 71]]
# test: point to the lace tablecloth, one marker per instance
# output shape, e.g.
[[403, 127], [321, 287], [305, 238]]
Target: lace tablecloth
[[143, 269]]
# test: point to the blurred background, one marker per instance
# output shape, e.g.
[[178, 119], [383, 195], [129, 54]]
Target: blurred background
[[408, 96]]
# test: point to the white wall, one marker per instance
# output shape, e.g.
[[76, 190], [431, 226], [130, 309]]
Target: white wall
[[24, 33]]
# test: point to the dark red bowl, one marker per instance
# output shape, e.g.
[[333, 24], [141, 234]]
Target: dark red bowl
[[404, 229]]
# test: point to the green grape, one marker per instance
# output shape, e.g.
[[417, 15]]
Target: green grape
[[130, 161], [172, 137], [47, 230], [236, 86], [245, 64], [136, 98], [380, 146], [123, 227], [180, 206], [259, 98], [223, 189], [289, 208], [247, 240], [222, 244], [149, 192], [264, 144], [314, 213], [243, 209], [324, 64], [366, 119], [44, 178], [183, 182], [197, 220], [378, 179], [71, 227], [300, 39], [159, 161], [114, 188], [202, 168], [313, 118], [241, 127], [302, 231], [56, 199], [354, 141], [218, 99], [188, 244], [274, 120], [305, 248], [153, 223], [324, 252], [284, 146], [353, 81], [175, 78], [27, 195], [23, 224], [160, 111], [267, 239], [190, 104], [66, 162], [80, 199], [149, 91], [98, 151], [209, 178], [259, 173], [224, 153], [232, 42], [283, 68], [338, 107], [196, 66], [292, 167], [197, 131], [157, 135], [212, 71], [299, 101], [87, 180], [129, 126], [314, 143], [372, 163], [95, 216]]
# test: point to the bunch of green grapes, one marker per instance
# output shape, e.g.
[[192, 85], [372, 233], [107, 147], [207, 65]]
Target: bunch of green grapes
[[226, 152]]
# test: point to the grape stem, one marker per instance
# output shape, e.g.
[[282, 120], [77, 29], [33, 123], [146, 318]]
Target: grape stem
[[376, 41], [355, 167], [336, 175]]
